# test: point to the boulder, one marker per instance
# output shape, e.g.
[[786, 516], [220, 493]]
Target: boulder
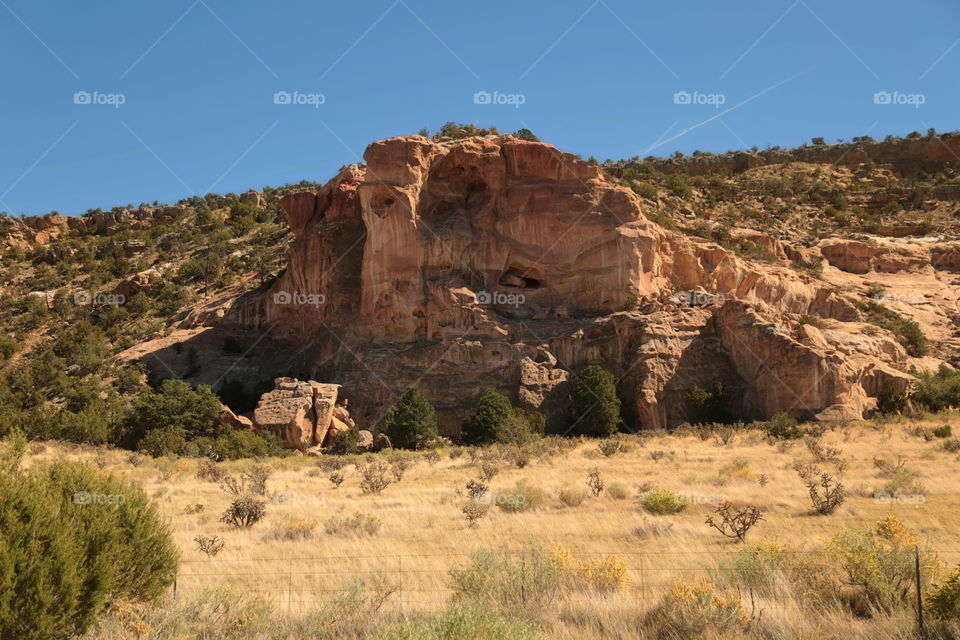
[[382, 441], [336, 426], [228, 418], [365, 443], [134, 247], [325, 399], [287, 412], [140, 282]]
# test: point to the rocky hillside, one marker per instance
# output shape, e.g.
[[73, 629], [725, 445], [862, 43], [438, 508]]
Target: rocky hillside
[[807, 282]]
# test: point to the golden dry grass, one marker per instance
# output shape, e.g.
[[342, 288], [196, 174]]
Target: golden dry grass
[[424, 533]]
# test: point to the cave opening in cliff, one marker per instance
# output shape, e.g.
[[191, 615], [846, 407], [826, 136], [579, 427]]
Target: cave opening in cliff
[[520, 278]]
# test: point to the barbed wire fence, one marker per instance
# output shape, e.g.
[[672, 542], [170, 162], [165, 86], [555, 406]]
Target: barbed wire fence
[[422, 584]]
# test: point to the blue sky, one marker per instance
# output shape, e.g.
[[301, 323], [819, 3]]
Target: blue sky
[[197, 80]]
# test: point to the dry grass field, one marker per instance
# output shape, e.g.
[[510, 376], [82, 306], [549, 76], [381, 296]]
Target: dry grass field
[[298, 559]]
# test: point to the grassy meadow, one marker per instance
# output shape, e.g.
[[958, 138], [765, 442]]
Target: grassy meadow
[[391, 552]]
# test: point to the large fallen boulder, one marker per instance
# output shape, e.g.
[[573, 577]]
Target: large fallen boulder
[[300, 413], [288, 413]]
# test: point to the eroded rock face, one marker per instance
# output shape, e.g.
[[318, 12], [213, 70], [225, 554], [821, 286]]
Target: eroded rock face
[[499, 263]]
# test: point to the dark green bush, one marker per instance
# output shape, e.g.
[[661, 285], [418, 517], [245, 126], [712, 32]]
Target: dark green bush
[[73, 542], [345, 442], [234, 444], [782, 427], [707, 405], [172, 413], [939, 391], [412, 422], [492, 410], [594, 404], [891, 400], [943, 432]]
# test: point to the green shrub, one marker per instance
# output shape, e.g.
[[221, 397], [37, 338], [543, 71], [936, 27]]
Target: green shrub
[[945, 431], [482, 427], [782, 427], [176, 411], [509, 582], [522, 497], [891, 400], [466, 620], [696, 610], [943, 600], [758, 565], [345, 442], [644, 190], [9, 345], [526, 134], [707, 405], [412, 422], [572, 497], [939, 391], [235, 444], [678, 185], [662, 502], [594, 404], [907, 332], [73, 542], [879, 562]]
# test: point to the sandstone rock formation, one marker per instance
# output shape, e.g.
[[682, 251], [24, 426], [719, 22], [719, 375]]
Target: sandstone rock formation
[[365, 443], [492, 262], [228, 418], [138, 283], [300, 413]]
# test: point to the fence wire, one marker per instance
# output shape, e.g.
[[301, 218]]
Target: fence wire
[[422, 582]]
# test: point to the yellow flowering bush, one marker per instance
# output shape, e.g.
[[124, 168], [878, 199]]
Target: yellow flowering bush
[[694, 609], [605, 574]]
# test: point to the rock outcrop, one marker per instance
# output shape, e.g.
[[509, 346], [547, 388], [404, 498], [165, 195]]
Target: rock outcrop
[[491, 262], [299, 413]]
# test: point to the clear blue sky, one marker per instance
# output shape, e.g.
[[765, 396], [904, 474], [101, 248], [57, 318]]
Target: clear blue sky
[[198, 78]]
